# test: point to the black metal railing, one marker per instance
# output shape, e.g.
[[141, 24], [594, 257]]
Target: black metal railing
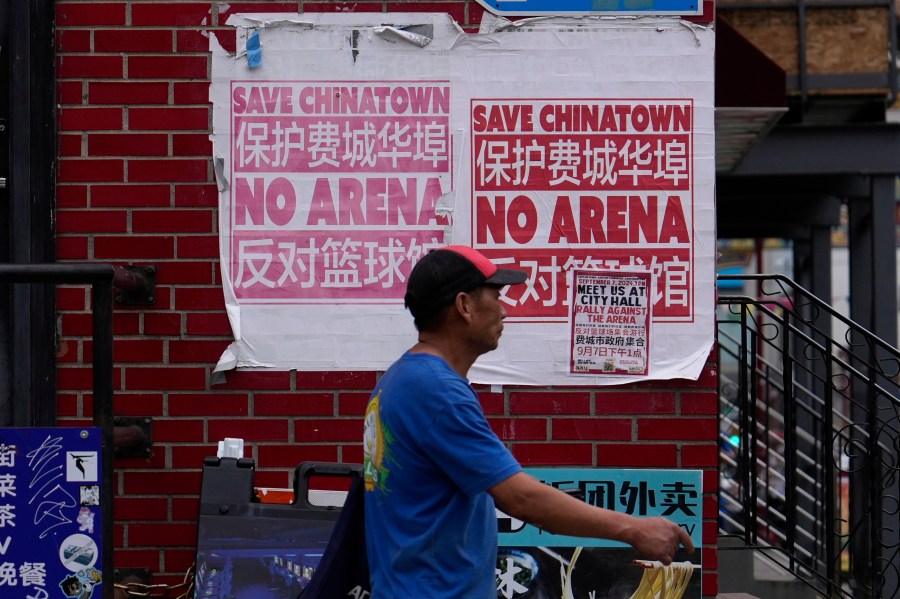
[[809, 439]]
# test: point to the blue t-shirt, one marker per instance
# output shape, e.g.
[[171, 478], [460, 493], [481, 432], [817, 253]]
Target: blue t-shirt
[[430, 456]]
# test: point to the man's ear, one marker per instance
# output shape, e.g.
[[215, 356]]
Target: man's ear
[[463, 305]]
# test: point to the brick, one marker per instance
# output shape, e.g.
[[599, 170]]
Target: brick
[[255, 430], [90, 170], [73, 40], [199, 298], [69, 145], [68, 351], [209, 404], [90, 119], [67, 405], [192, 456], [180, 561], [140, 508], [166, 430], [71, 196], [134, 247], [76, 324], [133, 351], [255, 380], [699, 456], [71, 14], [129, 40], [549, 402], [161, 534], [635, 402], [167, 67], [289, 456], [74, 378], [70, 92], [474, 14], [143, 559], [710, 583], [210, 323], [162, 323], [89, 67], [198, 246], [349, 7], [130, 195], [71, 248], [710, 508], [456, 10], [553, 454], [234, 8], [520, 429], [191, 92], [353, 404], [197, 196], [168, 119], [591, 429], [684, 429], [227, 38], [699, 404], [634, 455], [352, 454], [172, 378], [492, 403], [125, 323], [179, 220], [184, 351], [328, 430], [151, 171], [71, 298], [128, 144], [710, 533], [171, 13], [293, 404], [139, 404], [336, 380], [128, 93], [91, 221], [186, 273], [188, 144], [193, 40]]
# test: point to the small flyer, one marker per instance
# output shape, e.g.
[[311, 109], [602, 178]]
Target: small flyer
[[610, 316]]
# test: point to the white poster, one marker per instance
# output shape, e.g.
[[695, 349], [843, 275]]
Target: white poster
[[347, 145]]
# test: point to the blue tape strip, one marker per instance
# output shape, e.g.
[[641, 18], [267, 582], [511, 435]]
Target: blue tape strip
[[254, 51]]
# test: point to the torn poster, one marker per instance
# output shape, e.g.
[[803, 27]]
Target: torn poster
[[360, 141]]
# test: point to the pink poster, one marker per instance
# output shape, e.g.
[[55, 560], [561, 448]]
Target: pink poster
[[334, 187]]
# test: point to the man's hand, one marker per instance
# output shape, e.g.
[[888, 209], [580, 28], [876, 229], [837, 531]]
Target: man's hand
[[658, 539]]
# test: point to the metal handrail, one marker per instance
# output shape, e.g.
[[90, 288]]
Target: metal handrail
[[833, 404], [100, 278]]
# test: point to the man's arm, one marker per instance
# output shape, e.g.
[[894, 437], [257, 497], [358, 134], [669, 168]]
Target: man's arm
[[524, 497]]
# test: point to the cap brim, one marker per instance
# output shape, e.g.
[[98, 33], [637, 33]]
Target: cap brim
[[505, 276]]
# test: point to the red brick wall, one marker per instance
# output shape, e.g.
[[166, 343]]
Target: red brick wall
[[135, 186]]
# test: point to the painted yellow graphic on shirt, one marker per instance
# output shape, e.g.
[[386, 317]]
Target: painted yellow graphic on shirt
[[377, 441]]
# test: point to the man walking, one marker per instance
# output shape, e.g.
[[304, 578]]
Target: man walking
[[434, 469]]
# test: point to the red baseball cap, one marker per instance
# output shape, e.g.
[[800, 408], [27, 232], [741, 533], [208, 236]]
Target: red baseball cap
[[441, 274]]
